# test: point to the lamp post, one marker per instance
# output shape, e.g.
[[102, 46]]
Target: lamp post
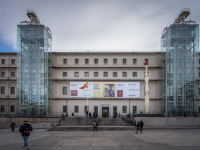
[[66, 108], [129, 106]]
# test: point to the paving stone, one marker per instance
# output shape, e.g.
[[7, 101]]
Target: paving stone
[[103, 140]]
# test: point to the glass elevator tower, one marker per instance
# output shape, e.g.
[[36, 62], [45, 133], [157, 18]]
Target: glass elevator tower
[[34, 68], [180, 69]]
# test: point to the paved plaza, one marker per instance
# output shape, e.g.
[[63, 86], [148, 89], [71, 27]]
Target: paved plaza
[[41, 139]]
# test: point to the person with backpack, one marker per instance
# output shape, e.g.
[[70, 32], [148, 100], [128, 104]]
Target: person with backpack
[[138, 127], [141, 125], [12, 125], [25, 130]]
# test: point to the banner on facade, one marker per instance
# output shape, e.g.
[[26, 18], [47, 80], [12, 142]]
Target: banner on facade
[[77, 90], [105, 89]]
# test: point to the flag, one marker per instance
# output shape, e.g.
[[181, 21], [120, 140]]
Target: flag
[[146, 63], [84, 86]]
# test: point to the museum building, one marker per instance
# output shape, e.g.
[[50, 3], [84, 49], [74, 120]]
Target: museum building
[[38, 82]]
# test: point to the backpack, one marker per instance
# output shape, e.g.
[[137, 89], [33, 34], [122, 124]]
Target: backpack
[[27, 129]]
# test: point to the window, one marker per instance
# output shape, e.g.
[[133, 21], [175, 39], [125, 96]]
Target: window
[[199, 109], [3, 74], [86, 74], [2, 90], [13, 61], [12, 108], [64, 74], [64, 61], [42, 60], [76, 61], [134, 109], [124, 61], [124, 109], [145, 74], [2, 108], [114, 61], [76, 109], [86, 61], [105, 61], [95, 61], [146, 60], [96, 74], [64, 90], [199, 91], [105, 74], [3, 61], [64, 109], [134, 74], [124, 74], [114, 74], [12, 74], [76, 74], [85, 109], [134, 61], [12, 90]]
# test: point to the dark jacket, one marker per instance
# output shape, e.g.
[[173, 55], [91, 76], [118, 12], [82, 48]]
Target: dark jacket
[[138, 126], [141, 123], [22, 127], [12, 125]]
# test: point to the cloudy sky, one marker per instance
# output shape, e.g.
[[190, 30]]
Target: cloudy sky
[[96, 24]]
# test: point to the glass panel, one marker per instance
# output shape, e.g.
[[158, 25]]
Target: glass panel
[[180, 69], [34, 70]]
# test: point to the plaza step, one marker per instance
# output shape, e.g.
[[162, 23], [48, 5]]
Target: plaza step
[[114, 128], [81, 121]]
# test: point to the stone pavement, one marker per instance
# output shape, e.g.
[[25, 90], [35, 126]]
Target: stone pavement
[[41, 139]]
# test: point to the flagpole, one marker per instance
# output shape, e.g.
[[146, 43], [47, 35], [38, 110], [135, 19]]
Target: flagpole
[[87, 102]]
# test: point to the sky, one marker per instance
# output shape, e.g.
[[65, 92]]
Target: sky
[[96, 24]]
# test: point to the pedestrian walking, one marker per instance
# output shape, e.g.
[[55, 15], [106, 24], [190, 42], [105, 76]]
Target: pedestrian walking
[[119, 114], [90, 114], [25, 130], [94, 114], [72, 114], [86, 113], [116, 115], [141, 125], [138, 127], [12, 125], [95, 126]]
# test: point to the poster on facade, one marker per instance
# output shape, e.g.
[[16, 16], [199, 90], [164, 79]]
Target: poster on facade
[[128, 90], [105, 89], [81, 89]]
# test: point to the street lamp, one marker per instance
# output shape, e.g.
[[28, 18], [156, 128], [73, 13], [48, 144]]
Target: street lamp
[[129, 107], [66, 108]]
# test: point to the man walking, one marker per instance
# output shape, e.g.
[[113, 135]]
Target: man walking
[[138, 127], [25, 130], [86, 114], [95, 125], [12, 125], [141, 125]]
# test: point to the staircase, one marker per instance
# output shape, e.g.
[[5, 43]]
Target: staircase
[[80, 121], [86, 124]]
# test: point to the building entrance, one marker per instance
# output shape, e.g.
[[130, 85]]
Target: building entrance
[[114, 111], [105, 112]]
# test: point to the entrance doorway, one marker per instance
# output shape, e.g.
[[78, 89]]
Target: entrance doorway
[[114, 111], [105, 112], [96, 110]]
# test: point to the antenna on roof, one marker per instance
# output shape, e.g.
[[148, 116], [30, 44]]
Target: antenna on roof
[[33, 17], [183, 14]]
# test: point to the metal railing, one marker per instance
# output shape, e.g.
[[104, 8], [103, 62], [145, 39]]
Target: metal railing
[[183, 114], [47, 115]]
